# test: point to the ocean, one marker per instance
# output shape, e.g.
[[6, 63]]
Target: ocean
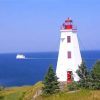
[[18, 72]]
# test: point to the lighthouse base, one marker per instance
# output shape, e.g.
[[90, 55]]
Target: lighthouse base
[[67, 76]]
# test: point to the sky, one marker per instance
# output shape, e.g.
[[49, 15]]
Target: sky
[[34, 25]]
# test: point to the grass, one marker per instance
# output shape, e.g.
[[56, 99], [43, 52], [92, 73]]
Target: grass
[[78, 95], [27, 93], [19, 93], [15, 93]]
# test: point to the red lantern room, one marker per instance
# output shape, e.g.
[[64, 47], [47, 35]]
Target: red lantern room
[[68, 24]]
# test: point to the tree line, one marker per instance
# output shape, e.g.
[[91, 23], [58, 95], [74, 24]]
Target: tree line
[[89, 79]]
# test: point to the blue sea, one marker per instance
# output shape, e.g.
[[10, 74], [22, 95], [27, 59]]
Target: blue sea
[[18, 72]]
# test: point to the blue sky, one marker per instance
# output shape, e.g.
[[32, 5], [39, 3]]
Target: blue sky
[[33, 25]]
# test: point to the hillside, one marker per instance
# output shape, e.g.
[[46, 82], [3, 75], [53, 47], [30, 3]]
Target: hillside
[[20, 93], [28, 93]]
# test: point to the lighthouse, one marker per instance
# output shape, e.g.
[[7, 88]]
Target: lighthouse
[[69, 57]]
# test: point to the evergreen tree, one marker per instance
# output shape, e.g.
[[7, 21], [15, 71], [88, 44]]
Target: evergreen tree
[[84, 75], [51, 85], [95, 73]]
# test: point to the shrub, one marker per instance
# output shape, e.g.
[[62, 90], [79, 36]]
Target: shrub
[[1, 97], [73, 86]]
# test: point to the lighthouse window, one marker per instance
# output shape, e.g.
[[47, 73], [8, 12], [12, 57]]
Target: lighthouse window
[[69, 54], [68, 39]]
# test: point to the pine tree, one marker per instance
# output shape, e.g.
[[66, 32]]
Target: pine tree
[[51, 85], [95, 73], [84, 75]]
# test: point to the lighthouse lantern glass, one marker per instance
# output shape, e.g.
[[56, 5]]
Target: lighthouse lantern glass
[[68, 24]]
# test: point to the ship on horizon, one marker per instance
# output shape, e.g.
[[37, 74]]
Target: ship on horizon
[[20, 56]]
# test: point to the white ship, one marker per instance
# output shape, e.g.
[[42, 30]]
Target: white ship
[[20, 56]]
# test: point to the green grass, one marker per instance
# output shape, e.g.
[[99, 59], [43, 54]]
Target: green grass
[[20, 93], [15, 93], [78, 95], [27, 93]]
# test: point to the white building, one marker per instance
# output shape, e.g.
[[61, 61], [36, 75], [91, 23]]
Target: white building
[[69, 57]]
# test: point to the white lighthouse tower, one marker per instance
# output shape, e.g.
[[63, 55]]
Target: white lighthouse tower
[[69, 58]]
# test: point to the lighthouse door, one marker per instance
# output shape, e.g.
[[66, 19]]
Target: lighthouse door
[[69, 76]]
